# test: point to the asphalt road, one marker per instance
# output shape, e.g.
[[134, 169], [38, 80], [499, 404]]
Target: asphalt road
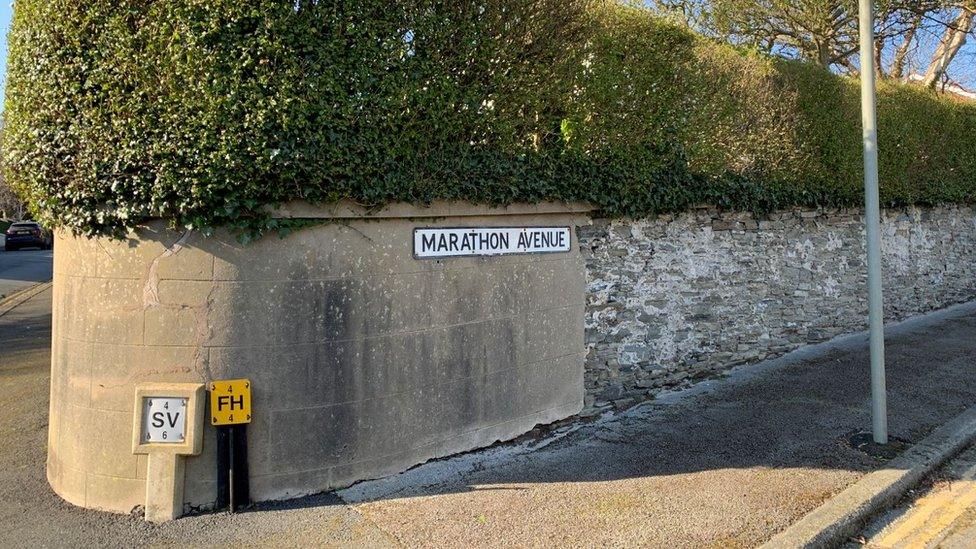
[[24, 268], [962, 534]]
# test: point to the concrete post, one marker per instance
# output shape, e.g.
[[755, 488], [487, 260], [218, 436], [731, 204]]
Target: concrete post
[[164, 487]]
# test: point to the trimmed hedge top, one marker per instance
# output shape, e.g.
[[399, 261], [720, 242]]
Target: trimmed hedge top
[[205, 111]]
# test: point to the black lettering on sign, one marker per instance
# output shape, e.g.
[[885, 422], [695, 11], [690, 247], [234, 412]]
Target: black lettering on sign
[[463, 242], [428, 242], [172, 418], [157, 419], [230, 402]]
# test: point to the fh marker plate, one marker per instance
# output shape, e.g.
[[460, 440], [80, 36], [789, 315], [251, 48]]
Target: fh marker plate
[[230, 402]]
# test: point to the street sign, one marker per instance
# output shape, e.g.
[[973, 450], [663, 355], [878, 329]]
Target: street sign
[[230, 401], [436, 243], [230, 412], [163, 420]]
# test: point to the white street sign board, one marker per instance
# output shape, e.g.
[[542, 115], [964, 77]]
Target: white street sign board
[[489, 241], [163, 420]]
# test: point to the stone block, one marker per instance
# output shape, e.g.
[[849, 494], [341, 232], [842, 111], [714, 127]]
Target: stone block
[[107, 440], [107, 493], [116, 369], [297, 484]]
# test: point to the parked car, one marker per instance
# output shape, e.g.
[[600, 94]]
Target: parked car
[[27, 234]]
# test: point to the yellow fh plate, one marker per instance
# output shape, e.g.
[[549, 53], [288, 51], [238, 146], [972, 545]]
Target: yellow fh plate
[[230, 401]]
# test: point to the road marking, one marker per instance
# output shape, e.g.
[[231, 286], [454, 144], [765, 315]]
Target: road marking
[[929, 518], [16, 299]]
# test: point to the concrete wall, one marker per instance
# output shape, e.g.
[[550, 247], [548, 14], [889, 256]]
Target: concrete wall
[[675, 299], [364, 360]]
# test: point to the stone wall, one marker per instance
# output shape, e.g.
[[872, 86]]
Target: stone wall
[[676, 299]]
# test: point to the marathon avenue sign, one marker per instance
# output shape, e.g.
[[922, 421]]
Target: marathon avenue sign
[[487, 241]]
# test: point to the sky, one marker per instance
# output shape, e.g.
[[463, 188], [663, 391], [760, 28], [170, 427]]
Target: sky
[[6, 10], [962, 70]]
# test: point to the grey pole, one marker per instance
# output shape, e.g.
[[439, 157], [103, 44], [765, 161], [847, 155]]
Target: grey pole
[[872, 210]]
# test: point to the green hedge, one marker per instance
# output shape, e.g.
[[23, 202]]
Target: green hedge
[[205, 111]]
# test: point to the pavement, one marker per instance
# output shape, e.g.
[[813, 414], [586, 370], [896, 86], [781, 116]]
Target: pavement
[[727, 463], [940, 513], [24, 268]]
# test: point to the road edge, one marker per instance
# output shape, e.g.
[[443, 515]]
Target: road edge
[[842, 515], [16, 299]]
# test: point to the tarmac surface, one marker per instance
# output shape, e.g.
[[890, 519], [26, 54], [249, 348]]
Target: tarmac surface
[[728, 463], [24, 268]]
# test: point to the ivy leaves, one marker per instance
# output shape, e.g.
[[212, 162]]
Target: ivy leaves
[[205, 112]]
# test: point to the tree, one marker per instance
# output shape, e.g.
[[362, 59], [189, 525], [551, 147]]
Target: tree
[[952, 41], [694, 13], [11, 206], [825, 32], [904, 49], [821, 31]]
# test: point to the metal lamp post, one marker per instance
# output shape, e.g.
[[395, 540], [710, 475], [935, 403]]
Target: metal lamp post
[[872, 208]]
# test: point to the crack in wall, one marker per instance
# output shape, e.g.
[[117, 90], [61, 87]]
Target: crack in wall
[[150, 292], [204, 331]]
